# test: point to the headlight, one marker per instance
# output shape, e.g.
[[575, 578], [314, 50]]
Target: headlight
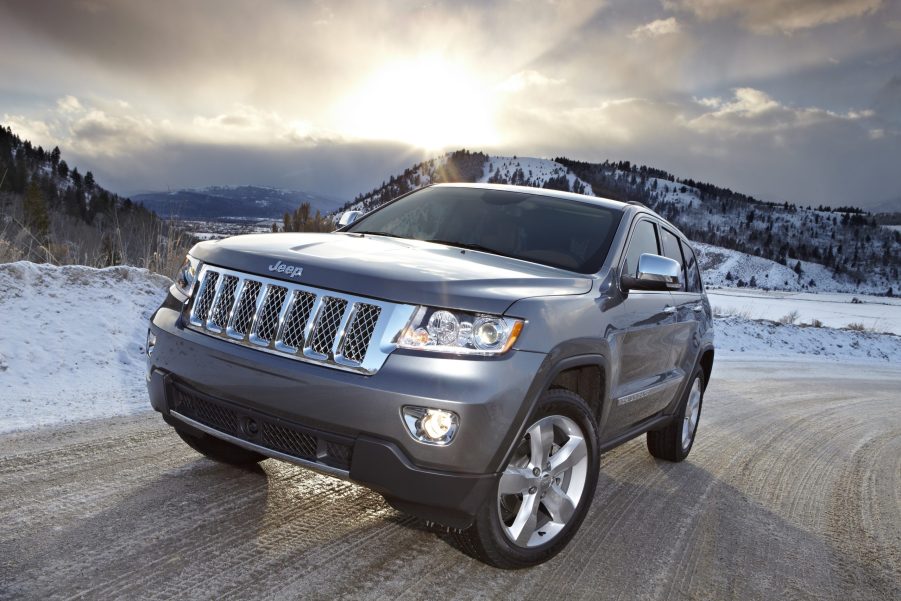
[[187, 276], [443, 331]]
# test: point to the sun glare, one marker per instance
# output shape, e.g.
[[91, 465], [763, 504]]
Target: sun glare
[[430, 103]]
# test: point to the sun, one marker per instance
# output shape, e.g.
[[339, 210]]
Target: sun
[[429, 102]]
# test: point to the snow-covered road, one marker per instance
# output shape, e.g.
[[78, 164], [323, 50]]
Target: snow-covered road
[[791, 490]]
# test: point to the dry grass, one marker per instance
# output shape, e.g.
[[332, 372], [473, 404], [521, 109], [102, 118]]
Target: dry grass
[[138, 240], [721, 312]]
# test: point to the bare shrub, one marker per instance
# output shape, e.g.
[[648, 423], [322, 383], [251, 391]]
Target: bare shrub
[[856, 327], [790, 318], [8, 252], [816, 323]]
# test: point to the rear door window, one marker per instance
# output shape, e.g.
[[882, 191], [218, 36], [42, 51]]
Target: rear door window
[[643, 241], [692, 271], [670, 243]]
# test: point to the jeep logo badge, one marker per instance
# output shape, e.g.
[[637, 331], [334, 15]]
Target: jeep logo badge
[[291, 270]]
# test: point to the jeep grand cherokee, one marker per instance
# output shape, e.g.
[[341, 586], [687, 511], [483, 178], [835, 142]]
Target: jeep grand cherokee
[[467, 351]]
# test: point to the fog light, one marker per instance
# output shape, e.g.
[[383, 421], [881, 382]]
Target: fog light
[[431, 426], [151, 343]]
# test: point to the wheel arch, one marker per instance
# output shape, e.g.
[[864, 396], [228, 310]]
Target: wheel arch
[[588, 380], [706, 362], [574, 373]]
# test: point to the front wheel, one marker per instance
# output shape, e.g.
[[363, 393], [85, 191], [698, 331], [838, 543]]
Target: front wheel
[[544, 491], [674, 442]]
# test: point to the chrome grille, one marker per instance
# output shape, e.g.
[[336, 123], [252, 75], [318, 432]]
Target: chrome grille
[[307, 324], [267, 318], [327, 324], [205, 297], [245, 309], [296, 321], [360, 332], [225, 302]]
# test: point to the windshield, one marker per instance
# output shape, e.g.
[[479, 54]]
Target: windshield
[[562, 233]]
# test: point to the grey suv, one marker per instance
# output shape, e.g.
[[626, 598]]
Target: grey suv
[[467, 351]]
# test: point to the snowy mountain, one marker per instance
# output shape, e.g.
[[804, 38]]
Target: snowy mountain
[[218, 202], [778, 246]]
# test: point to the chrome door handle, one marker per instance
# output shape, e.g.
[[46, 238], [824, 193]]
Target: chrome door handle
[[669, 309], [698, 308]]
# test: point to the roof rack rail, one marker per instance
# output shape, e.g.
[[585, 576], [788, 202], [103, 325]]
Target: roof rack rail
[[638, 204]]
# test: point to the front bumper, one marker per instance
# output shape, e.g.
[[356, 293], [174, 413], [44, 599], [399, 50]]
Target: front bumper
[[443, 484]]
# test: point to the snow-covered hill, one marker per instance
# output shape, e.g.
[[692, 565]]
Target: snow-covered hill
[[726, 268], [838, 249], [530, 171], [72, 342]]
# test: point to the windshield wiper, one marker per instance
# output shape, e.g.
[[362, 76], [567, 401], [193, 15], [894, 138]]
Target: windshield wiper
[[470, 246], [386, 234]]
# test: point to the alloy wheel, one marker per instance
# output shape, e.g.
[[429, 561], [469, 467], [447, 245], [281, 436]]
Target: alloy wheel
[[692, 413], [542, 485]]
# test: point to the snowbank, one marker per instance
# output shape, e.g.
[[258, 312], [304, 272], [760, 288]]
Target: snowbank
[[71, 341], [834, 310], [739, 338]]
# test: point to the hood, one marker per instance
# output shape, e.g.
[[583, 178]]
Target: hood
[[394, 269]]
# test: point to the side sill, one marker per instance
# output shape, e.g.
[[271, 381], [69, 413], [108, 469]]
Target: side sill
[[653, 423]]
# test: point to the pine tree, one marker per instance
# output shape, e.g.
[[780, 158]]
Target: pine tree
[[37, 218], [89, 180], [63, 169], [54, 157]]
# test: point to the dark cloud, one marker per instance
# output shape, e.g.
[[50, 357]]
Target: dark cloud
[[787, 99], [341, 170], [887, 102], [772, 16]]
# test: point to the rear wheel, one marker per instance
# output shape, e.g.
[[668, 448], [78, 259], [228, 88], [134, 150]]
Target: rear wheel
[[219, 450], [674, 442], [544, 491]]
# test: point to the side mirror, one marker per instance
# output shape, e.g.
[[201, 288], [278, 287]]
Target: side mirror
[[348, 217], [654, 273]]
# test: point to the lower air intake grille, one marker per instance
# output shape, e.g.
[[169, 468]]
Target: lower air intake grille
[[289, 441], [262, 430]]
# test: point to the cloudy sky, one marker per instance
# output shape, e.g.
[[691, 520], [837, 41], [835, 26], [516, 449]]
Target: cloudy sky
[[794, 100]]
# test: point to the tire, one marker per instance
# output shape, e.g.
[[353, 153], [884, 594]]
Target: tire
[[674, 442], [219, 450], [557, 499]]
